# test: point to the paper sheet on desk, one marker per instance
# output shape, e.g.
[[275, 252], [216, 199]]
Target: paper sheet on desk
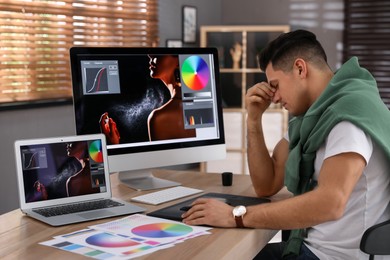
[[127, 237], [156, 231], [92, 252]]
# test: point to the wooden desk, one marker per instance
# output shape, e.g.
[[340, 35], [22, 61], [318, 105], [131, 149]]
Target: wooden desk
[[20, 235]]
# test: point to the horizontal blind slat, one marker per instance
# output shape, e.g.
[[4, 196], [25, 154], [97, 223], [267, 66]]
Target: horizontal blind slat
[[367, 36], [36, 36]]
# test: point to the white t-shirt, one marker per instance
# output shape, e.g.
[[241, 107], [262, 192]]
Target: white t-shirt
[[369, 201]]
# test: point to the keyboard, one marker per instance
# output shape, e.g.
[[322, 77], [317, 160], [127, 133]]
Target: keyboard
[[169, 194], [77, 207]]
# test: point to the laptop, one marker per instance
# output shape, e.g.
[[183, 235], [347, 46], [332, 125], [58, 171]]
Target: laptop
[[64, 180]]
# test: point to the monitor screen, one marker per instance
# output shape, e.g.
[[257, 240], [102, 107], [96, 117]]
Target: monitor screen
[[156, 106]]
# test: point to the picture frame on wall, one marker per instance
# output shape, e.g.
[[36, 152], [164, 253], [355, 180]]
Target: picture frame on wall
[[174, 43], [189, 24]]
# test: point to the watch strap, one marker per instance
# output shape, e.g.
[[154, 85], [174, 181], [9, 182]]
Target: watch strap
[[239, 221]]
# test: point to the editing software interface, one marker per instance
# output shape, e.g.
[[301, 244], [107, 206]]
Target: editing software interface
[[137, 99], [60, 170]]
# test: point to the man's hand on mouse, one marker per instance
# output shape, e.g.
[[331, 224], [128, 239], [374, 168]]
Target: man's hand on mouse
[[212, 212]]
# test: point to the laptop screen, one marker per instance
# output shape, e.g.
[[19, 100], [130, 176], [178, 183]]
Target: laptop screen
[[62, 169]]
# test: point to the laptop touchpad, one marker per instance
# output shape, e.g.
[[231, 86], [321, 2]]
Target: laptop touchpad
[[96, 214]]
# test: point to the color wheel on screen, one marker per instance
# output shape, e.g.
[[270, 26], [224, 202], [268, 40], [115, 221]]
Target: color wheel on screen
[[95, 151], [195, 73], [161, 230]]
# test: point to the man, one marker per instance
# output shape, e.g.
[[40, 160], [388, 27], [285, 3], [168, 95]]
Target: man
[[335, 158]]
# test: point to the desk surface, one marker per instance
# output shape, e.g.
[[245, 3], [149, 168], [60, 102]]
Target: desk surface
[[20, 235]]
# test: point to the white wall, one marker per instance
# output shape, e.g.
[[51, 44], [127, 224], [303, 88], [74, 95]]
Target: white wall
[[170, 17]]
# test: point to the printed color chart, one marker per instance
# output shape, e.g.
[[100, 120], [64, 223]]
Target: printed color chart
[[161, 230], [129, 237]]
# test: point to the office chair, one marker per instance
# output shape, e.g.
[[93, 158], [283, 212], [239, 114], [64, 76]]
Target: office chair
[[375, 240]]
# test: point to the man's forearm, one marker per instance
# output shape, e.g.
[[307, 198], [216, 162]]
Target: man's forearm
[[261, 166]]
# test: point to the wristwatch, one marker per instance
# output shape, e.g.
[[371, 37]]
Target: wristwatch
[[238, 213]]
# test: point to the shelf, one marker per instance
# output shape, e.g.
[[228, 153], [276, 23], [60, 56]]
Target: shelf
[[239, 70]]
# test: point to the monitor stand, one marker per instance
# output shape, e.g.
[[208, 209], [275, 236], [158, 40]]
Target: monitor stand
[[144, 180]]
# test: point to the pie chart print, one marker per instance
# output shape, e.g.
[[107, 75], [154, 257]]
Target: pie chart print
[[195, 73], [95, 151], [161, 230], [109, 241]]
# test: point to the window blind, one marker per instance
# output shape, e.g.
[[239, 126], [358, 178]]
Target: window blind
[[367, 36], [35, 37]]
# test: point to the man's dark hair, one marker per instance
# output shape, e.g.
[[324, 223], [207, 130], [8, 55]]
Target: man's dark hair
[[284, 50]]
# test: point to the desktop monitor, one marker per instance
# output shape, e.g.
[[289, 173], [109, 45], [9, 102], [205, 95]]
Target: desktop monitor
[[156, 106]]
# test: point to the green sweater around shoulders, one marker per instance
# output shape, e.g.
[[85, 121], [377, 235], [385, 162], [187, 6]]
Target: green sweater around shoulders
[[352, 95]]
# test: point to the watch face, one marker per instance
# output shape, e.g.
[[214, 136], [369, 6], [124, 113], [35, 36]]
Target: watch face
[[239, 211]]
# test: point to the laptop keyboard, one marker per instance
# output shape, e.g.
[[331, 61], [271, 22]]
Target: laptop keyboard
[[77, 207]]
